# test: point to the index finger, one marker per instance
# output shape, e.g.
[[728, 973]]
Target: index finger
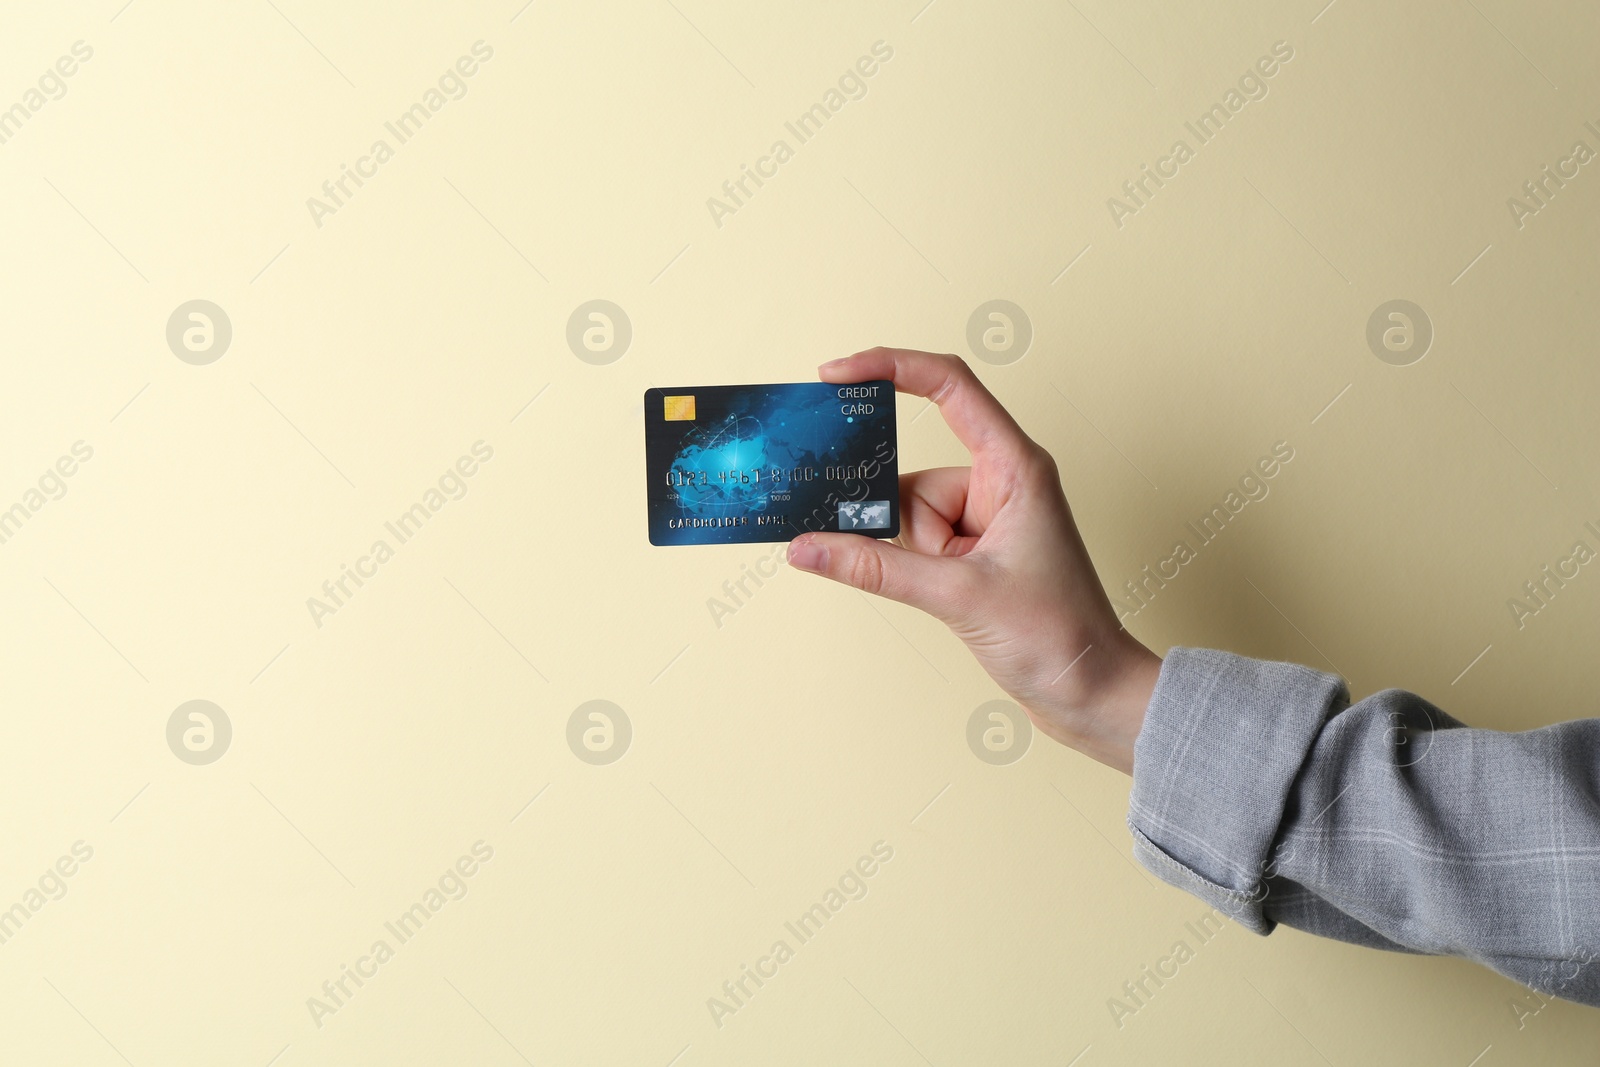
[[978, 420]]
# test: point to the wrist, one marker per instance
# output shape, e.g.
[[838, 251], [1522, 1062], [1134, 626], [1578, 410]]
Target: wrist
[[1108, 707], [1124, 705]]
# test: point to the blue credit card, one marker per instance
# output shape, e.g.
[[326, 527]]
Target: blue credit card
[[732, 464]]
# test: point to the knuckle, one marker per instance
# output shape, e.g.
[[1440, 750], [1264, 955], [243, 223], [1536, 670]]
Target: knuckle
[[1043, 464], [958, 368], [957, 375], [865, 572], [1034, 468]]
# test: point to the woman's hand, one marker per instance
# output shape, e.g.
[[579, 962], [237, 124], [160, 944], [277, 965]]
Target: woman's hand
[[993, 552]]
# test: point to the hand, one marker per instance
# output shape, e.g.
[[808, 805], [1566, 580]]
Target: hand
[[992, 551]]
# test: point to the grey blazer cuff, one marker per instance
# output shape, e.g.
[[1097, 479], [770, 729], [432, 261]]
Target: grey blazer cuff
[[1223, 739]]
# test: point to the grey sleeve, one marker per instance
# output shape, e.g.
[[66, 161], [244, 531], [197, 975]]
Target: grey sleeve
[[1259, 788]]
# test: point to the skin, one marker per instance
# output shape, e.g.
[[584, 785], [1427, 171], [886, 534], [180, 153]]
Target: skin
[[992, 551]]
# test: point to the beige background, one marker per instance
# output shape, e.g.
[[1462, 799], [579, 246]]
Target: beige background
[[771, 752]]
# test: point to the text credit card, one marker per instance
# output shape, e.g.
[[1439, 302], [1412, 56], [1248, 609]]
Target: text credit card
[[731, 464]]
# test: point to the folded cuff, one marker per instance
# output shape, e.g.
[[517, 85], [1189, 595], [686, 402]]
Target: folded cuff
[[1223, 739]]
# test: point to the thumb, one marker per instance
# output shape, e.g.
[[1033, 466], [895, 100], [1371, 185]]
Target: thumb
[[883, 569]]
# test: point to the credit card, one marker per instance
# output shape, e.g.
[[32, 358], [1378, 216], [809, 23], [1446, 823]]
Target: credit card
[[734, 464]]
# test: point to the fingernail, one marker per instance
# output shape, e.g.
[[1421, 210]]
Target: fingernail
[[841, 361], [807, 555]]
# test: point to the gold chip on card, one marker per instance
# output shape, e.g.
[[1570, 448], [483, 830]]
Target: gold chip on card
[[679, 408]]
